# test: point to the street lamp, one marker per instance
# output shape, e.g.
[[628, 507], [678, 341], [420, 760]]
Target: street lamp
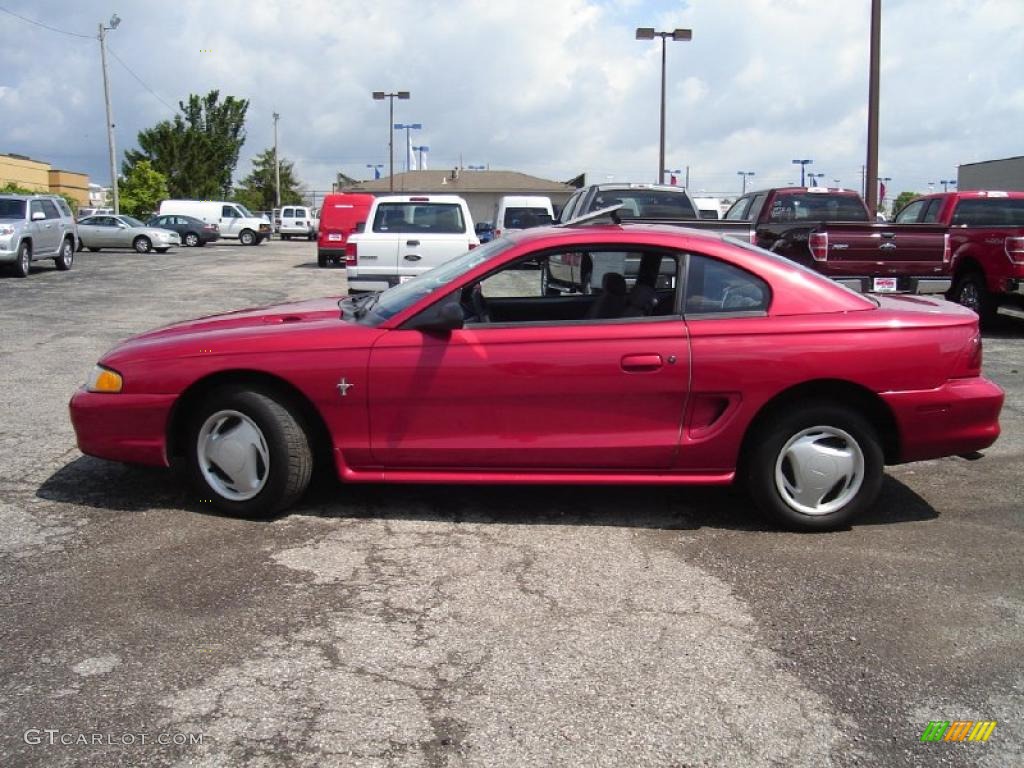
[[114, 21], [947, 183], [672, 175], [745, 174], [380, 96], [803, 166], [419, 153], [476, 167], [408, 143], [376, 169], [679, 35], [816, 178]]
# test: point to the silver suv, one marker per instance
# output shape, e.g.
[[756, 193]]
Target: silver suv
[[34, 227]]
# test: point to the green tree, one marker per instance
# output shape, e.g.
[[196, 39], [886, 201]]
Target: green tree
[[901, 200], [141, 190], [257, 190], [198, 150], [10, 188]]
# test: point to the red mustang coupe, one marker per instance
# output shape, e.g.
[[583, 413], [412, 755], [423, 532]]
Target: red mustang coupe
[[704, 362]]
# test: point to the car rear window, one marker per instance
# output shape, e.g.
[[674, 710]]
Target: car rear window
[[811, 206], [443, 218], [525, 218], [12, 209], [647, 204], [990, 212]]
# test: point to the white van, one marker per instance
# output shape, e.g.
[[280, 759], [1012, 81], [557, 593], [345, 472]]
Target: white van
[[297, 221], [234, 219], [514, 212]]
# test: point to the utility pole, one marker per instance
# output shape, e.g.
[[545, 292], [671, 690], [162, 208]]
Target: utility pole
[[114, 21], [277, 167], [871, 183]]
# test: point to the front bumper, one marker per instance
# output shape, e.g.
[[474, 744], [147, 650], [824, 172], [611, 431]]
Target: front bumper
[[959, 417], [122, 427]]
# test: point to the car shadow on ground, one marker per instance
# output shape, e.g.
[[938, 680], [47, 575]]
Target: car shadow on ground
[[106, 485]]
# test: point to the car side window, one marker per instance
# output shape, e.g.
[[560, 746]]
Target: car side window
[[50, 209], [932, 214], [63, 207], [716, 287], [738, 210], [577, 285], [36, 206], [912, 213], [228, 212]]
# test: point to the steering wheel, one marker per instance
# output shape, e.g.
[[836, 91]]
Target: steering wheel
[[479, 304]]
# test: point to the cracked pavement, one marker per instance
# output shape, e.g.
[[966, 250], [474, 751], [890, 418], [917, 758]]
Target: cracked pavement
[[467, 626]]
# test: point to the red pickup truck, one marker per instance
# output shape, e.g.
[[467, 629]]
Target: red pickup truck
[[968, 245]]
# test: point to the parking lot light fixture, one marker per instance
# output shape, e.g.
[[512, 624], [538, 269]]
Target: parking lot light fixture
[[745, 174], [679, 35], [419, 154], [803, 166], [391, 96], [408, 142]]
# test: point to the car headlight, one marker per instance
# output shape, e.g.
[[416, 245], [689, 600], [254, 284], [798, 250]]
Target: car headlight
[[6, 229], [104, 380]]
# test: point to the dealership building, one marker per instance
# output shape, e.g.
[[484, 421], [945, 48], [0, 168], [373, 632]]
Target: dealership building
[[1006, 174]]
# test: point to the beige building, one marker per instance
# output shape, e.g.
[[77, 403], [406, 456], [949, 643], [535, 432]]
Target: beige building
[[480, 189], [40, 177]]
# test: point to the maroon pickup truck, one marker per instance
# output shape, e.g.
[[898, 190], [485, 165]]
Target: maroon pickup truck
[[967, 245]]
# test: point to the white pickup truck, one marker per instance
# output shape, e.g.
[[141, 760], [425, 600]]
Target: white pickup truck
[[406, 235]]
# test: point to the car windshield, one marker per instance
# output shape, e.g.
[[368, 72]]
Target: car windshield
[[392, 301], [646, 203], [244, 210], [12, 209], [526, 218], [131, 221]]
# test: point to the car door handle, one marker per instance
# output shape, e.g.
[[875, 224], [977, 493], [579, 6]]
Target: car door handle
[[412, 257], [412, 243], [887, 247], [641, 362]]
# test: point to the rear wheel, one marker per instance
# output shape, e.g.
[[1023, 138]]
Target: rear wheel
[[191, 239], [23, 263], [142, 244], [248, 452], [67, 255], [970, 291], [321, 260], [247, 237], [815, 468]]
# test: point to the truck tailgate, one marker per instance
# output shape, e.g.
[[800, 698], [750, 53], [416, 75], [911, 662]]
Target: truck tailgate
[[853, 249]]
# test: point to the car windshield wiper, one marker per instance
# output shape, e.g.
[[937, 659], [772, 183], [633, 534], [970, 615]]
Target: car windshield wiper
[[363, 304], [353, 302]]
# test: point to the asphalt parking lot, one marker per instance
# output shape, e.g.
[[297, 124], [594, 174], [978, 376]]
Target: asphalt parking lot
[[451, 626]]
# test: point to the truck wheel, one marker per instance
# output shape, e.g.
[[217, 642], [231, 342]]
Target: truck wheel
[[66, 257], [247, 237], [23, 264], [970, 291]]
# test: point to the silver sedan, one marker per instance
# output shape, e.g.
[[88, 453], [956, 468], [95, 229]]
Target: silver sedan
[[106, 231]]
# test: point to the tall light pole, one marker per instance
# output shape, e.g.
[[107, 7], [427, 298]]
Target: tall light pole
[[419, 153], [803, 166], [947, 183], [679, 35], [380, 96], [277, 167], [745, 174], [114, 21], [408, 143]]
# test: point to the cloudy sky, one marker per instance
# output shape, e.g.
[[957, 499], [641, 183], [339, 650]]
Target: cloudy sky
[[549, 88]]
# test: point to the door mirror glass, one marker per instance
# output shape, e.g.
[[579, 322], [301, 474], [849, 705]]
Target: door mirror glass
[[443, 317], [38, 216]]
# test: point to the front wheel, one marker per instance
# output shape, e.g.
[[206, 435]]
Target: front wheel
[[247, 237], [248, 453], [142, 244], [816, 467], [66, 257], [23, 263], [191, 239]]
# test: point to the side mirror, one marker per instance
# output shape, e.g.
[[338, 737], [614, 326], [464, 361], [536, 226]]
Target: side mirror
[[444, 317], [38, 216]]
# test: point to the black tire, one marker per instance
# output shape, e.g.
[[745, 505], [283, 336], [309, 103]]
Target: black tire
[[142, 244], [67, 255], [286, 237], [247, 237], [192, 240], [321, 260], [834, 434], [161, 250], [23, 263], [289, 465], [94, 250], [970, 291]]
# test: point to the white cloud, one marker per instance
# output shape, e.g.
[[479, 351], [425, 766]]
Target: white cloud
[[547, 88]]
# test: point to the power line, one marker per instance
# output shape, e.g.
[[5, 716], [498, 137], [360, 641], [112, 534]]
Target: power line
[[44, 26], [140, 80]]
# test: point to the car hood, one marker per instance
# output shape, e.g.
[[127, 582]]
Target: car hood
[[315, 323]]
